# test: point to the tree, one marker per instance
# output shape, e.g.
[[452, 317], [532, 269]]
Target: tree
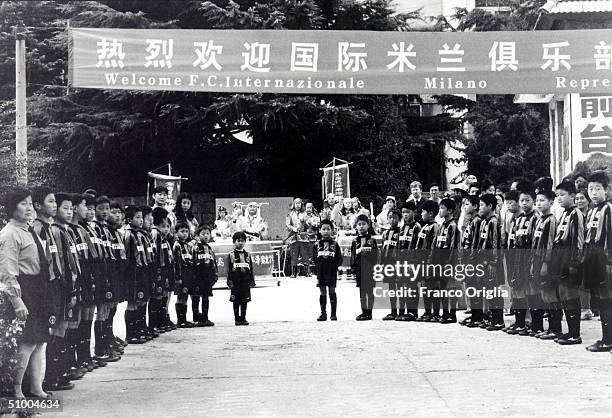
[[110, 139], [509, 140]]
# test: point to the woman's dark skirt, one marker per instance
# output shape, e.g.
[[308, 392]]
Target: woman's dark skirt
[[35, 292]]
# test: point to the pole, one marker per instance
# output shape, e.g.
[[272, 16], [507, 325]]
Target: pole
[[21, 127], [323, 185], [148, 190], [169, 169], [348, 181], [334, 176]]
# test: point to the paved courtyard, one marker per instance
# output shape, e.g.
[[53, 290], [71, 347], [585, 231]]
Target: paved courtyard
[[287, 364]]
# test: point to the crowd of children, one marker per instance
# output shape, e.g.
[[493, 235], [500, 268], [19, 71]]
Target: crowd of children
[[547, 244], [101, 253]]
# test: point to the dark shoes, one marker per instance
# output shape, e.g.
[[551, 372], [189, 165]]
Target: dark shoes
[[424, 318], [363, 317], [495, 327], [599, 347], [567, 340], [107, 357], [322, 317], [465, 321], [517, 331], [551, 336], [137, 340], [510, 327], [241, 322], [390, 317], [62, 384]]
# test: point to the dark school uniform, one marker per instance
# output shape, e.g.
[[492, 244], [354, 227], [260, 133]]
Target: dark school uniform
[[183, 268], [328, 257], [566, 260], [55, 266], [68, 257], [486, 252], [598, 243], [598, 268], [468, 237], [240, 277], [362, 244], [158, 263], [137, 280], [390, 250], [466, 251], [444, 250], [205, 268], [408, 233], [487, 246], [117, 265], [87, 255], [104, 290], [423, 244], [543, 237], [568, 252], [520, 243], [167, 265]]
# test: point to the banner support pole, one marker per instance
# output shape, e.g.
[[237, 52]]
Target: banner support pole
[[148, 189], [21, 125], [334, 176]]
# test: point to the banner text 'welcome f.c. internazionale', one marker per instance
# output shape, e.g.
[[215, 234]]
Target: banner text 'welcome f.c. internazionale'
[[342, 62]]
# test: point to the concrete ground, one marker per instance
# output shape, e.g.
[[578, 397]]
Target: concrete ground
[[287, 364]]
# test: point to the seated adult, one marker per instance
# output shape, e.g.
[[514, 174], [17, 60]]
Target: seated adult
[[382, 221], [344, 218], [328, 207], [223, 230], [252, 224]]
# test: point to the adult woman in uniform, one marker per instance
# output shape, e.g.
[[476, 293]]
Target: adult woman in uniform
[[24, 278]]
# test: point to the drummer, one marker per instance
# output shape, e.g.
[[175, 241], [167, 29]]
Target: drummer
[[24, 281], [252, 224]]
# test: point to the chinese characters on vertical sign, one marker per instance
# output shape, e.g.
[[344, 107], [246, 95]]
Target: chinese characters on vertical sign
[[596, 123], [349, 62], [336, 180]]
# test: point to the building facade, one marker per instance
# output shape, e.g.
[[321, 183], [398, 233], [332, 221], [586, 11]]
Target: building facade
[[580, 125]]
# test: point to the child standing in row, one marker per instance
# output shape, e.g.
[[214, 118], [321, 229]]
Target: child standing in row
[[205, 263], [240, 277], [363, 244], [328, 257]]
